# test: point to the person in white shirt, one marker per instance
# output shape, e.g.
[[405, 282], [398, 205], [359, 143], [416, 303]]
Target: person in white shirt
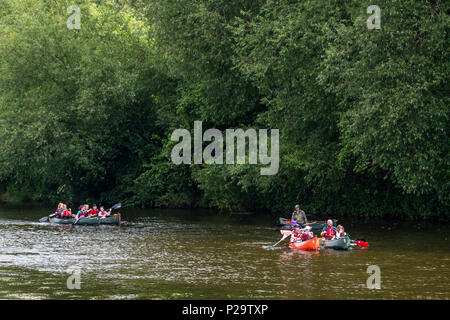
[[340, 232], [103, 213]]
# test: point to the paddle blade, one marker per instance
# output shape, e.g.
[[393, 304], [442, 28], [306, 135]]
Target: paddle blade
[[44, 219], [117, 206], [362, 244]]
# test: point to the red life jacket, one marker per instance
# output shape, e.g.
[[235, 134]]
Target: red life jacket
[[66, 213], [330, 233], [306, 236], [83, 213], [297, 235], [94, 212]]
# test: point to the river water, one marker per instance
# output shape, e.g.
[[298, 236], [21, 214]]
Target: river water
[[180, 254]]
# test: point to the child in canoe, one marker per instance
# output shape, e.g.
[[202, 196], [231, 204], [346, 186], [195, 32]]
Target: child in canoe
[[340, 232], [94, 211], [82, 212], [66, 213], [103, 213], [296, 234], [301, 234], [60, 209], [307, 234]]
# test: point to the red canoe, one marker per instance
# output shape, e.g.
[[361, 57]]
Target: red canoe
[[312, 244]]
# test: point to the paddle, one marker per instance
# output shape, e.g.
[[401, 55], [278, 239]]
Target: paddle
[[48, 217], [362, 243], [285, 245], [284, 237], [116, 206]]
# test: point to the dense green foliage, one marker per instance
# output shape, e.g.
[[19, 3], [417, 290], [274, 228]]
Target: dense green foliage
[[87, 115]]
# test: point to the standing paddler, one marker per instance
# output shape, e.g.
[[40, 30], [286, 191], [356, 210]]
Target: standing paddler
[[299, 215]]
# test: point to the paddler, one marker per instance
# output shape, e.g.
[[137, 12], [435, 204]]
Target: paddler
[[299, 215], [94, 211], [340, 233], [67, 213], [296, 234], [103, 213], [82, 212], [307, 234], [329, 231], [60, 210]]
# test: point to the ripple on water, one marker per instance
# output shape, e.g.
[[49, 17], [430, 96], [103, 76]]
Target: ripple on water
[[162, 257]]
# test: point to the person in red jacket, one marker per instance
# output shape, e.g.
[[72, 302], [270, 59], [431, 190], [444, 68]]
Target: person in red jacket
[[67, 213], [94, 211], [307, 234], [329, 231], [103, 213], [82, 212], [296, 234]]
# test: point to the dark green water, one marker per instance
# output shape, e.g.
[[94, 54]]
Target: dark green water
[[166, 254]]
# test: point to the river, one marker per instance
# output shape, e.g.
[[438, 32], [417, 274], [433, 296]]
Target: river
[[181, 254]]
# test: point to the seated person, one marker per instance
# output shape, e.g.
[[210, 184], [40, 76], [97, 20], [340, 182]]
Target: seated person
[[329, 231], [340, 232], [66, 214], [82, 212], [94, 211], [307, 234], [296, 234], [59, 210], [103, 213]]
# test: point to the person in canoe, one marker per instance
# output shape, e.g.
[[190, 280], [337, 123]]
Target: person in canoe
[[329, 231], [82, 212], [103, 213], [307, 234], [301, 234], [67, 213], [60, 209], [340, 233], [94, 211], [299, 215], [296, 234]]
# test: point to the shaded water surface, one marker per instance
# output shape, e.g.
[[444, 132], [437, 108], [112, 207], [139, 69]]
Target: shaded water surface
[[166, 254]]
